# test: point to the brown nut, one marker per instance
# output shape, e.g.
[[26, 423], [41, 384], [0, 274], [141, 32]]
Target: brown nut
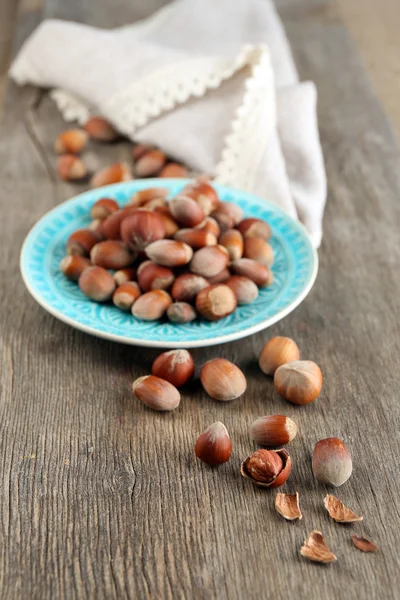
[[155, 203], [141, 228], [111, 226], [71, 167], [211, 226], [232, 240], [225, 221], [82, 241], [71, 141], [142, 197], [170, 226], [186, 287], [254, 228], [72, 266], [151, 276], [274, 430], [124, 275], [112, 254], [204, 194], [96, 225], [299, 381], [156, 393], [196, 238], [150, 163], [259, 250], [267, 468], [152, 305], [103, 207], [169, 253], [277, 352], [97, 284], [100, 130], [215, 302], [186, 211], [112, 174], [140, 150], [181, 312], [125, 295], [244, 289], [214, 446], [331, 462], [221, 277], [209, 261], [222, 380], [173, 170], [175, 366], [255, 271], [231, 209]]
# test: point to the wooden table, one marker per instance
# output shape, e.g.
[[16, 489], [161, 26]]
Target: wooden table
[[101, 498]]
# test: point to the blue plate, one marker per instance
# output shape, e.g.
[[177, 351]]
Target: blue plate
[[295, 269]]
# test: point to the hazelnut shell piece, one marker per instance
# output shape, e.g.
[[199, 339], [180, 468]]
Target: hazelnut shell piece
[[288, 506], [315, 548], [364, 544], [281, 477], [339, 512]]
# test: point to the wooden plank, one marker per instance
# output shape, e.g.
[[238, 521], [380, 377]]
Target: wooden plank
[[103, 498]]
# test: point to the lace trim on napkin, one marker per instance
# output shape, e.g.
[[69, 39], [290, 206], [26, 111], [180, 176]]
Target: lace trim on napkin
[[171, 86]]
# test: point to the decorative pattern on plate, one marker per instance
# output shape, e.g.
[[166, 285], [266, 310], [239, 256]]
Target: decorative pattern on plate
[[295, 269]]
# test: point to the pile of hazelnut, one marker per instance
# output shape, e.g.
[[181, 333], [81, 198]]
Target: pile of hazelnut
[[299, 382], [192, 255]]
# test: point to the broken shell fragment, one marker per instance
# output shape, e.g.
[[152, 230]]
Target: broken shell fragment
[[364, 544], [315, 548], [338, 511], [287, 505]]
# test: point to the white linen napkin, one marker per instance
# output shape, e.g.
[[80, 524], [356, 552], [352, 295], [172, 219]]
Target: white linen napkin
[[212, 83]]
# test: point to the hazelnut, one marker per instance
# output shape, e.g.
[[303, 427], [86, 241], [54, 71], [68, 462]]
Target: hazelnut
[[125, 295], [214, 446], [231, 209], [274, 430], [152, 305], [255, 271], [124, 275], [71, 141], [140, 150], [221, 277], [150, 163], [156, 393], [244, 289], [111, 254], [72, 266], [111, 226], [225, 221], [71, 167], [181, 312], [277, 352], [196, 238], [299, 381], [176, 366], [170, 226], [186, 211], [267, 468], [169, 253], [187, 286], [97, 284], [155, 203], [82, 241], [331, 462], [222, 380], [142, 197], [204, 194], [215, 302], [103, 207], [173, 170], [209, 224], [232, 240], [141, 228], [254, 228], [112, 174], [259, 250], [209, 261], [151, 276], [100, 130]]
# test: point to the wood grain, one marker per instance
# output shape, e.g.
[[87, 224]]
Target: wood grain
[[104, 498]]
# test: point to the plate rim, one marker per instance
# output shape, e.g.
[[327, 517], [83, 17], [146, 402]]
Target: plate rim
[[220, 339]]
